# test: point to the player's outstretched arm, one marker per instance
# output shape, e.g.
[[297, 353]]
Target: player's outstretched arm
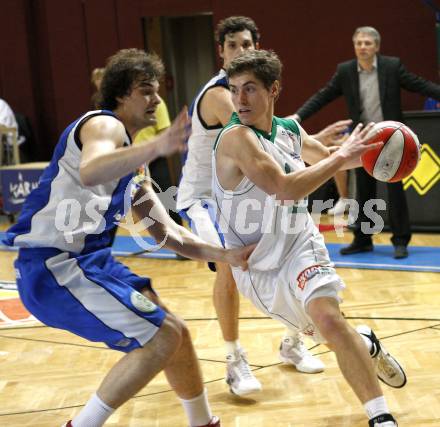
[[247, 158], [357, 144], [104, 158], [148, 209]]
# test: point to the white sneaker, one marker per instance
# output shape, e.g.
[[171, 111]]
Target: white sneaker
[[294, 352], [383, 420], [239, 376], [339, 208], [388, 369]]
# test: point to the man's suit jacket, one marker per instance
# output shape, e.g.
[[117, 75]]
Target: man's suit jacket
[[392, 76]]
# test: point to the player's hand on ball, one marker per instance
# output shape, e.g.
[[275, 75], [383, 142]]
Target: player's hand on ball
[[359, 141]]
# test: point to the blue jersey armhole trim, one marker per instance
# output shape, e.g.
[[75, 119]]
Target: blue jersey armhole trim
[[223, 82], [85, 119]]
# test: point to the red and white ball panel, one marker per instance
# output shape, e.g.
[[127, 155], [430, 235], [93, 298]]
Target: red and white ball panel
[[399, 155]]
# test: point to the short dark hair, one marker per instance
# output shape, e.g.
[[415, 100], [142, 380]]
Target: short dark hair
[[265, 65], [123, 69], [235, 24]]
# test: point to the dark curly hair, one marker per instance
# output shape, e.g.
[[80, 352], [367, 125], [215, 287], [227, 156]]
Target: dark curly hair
[[235, 24], [122, 70], [265, 65]]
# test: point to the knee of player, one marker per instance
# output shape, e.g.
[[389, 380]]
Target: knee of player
[[182, 327], [328, 321], [184, 331], [174, 329]]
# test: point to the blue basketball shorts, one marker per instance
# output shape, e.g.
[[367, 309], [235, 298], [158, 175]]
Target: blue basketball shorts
[[92, 295]]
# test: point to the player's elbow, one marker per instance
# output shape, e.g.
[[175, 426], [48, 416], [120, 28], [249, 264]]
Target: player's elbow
[[89, 176], [87, 179]]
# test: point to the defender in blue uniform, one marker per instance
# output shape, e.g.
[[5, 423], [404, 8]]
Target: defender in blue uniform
[[66, 275]]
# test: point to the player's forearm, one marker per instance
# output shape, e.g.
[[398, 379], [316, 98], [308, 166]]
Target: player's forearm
[[185, 243], [300, 184], [119, 162], [162, 228]]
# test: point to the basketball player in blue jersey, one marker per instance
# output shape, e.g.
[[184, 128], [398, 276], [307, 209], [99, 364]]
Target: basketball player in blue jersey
[[210, 111], [260, 185], [66, 275]]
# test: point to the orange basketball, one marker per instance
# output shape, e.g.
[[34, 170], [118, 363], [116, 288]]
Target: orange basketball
[[399, 155]]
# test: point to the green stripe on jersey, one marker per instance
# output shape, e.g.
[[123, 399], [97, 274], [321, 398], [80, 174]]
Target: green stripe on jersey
[[233, 121], [276, 121]]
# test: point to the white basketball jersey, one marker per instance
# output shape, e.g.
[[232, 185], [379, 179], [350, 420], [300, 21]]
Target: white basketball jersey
[[248, 215], [290, 262], [197, 171]]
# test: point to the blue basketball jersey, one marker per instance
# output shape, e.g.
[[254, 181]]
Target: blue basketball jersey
[[61, 212], [66, 275]]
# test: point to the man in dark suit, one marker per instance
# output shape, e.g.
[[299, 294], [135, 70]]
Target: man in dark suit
[[371, 86]]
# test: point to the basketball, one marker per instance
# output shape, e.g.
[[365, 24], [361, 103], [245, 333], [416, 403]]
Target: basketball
[[399, 155]]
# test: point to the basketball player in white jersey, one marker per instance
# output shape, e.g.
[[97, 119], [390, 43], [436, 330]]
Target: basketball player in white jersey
[[66, 275], [260, 184], [210, 111]]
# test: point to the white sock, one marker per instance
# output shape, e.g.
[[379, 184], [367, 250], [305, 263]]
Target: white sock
[[376, 407], [94, 414], [197, 410], [232, 346]]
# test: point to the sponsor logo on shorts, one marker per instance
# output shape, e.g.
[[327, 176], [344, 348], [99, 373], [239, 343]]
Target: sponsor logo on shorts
[[309, 330], [124, 342], [311, 272], [141, 302]]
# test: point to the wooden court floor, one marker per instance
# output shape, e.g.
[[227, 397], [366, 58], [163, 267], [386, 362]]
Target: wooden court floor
[[46, 375]]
